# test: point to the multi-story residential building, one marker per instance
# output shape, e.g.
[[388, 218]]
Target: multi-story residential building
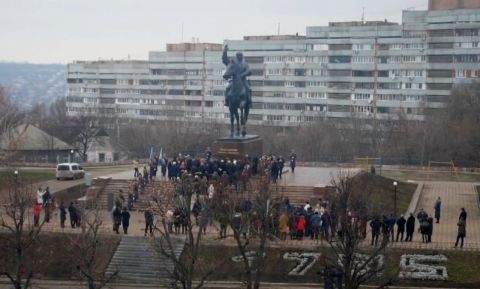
[[349, 69]]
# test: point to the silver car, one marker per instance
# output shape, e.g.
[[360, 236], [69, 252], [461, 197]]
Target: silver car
[[69, 171]]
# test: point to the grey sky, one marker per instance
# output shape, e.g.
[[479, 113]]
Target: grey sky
[[46, 31]]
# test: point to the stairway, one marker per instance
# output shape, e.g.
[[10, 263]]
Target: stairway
[[114, 186], [137, 261], [297, 195]]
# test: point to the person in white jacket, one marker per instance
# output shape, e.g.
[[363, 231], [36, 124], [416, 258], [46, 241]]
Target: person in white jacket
[[40, 193]]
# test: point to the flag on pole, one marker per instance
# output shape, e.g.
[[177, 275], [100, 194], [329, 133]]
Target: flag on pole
[[152, 152], [160, 155]]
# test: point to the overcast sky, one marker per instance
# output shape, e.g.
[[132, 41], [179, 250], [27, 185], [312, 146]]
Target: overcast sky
[[60, 31]]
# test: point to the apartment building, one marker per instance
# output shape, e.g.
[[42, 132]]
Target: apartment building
[[370, 70]]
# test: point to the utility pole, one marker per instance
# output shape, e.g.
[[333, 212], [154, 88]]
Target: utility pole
[[375, 79]]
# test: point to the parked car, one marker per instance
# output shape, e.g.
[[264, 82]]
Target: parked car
[[69, 171]]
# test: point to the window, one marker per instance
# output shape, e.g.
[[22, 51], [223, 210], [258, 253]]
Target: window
[[320, 47], [363, 59], [395, 46], [340, 59], [361, 96]]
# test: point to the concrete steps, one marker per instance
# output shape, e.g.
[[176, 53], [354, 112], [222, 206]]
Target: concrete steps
[[138, 261], [114, 186], [297, 195]]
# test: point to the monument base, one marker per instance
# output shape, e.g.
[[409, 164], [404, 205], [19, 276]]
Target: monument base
[[237, 147]]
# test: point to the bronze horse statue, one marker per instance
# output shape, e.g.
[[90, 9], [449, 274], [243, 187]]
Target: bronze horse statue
[[238, 93]]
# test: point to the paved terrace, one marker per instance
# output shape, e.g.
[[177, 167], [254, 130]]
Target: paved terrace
[[455, 195]]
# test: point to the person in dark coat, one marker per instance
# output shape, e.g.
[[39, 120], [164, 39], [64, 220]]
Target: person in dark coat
[[375, 224], [462, 232], [437, 206], [401, 227], [72, 211], [410, 228], [463, 215], [63, 215], [125, 220], [148, 215], [117, 219], [390, 222], [430, 229]]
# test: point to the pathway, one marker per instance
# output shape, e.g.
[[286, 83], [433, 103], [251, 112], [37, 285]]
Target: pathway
[[454, 195]]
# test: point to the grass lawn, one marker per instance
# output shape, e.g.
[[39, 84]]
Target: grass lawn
[[379, 193], [55, 257], [461, 267], [29, 175], [424, 175]]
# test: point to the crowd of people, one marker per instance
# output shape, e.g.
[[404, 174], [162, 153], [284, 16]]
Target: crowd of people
[[318, 222]]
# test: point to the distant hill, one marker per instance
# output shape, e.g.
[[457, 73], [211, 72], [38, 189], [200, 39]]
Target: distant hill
[[30, 84]]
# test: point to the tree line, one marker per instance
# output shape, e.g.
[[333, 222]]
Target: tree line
[[444, 134]]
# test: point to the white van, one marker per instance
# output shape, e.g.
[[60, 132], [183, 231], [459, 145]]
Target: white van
[[69, 171]]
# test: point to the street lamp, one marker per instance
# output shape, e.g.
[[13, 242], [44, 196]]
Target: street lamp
[[70, 157], [395, 184], [16, 175]]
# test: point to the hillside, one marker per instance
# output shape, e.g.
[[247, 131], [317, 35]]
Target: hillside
[[30, 84]]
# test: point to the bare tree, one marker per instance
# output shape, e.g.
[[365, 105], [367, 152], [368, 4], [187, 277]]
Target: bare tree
[[20, 236], [250, 215], [87, 132], [355, 263], [186, 268], [87, 245]]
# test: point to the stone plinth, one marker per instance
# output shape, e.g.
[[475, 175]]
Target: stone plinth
[[238, 147]]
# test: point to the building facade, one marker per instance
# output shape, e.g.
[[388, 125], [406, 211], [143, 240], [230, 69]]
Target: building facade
[[374, 70]]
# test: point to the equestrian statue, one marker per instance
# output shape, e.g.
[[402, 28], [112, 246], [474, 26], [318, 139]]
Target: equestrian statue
[[238, 95]]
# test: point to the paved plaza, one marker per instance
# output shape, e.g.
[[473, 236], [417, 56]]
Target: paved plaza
[[454, 195]]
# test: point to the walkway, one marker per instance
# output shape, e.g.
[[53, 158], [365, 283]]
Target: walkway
[[454, 195]]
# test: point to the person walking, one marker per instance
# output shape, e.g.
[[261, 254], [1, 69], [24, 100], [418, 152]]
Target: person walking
[[437, 206], [37, 209], [400, 228], [375, 224], [135, 168], [117, 219], [72, 211], [63, 215], [410, 228], [463, 215], [293, 161], [462, 232], [148, 221], [125, 220]]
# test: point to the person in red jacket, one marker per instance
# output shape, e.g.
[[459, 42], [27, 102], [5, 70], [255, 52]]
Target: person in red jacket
[[37, 209], [300, 227]]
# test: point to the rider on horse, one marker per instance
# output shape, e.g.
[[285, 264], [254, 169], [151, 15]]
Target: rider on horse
[[243, 70]]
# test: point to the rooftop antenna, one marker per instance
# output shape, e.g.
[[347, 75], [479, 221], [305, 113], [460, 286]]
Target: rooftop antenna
[[182, 32], [363, 15], [278, 29]]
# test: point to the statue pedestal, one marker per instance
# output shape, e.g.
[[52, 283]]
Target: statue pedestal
[[237, 147]]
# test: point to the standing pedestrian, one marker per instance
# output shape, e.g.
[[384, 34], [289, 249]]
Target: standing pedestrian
[[463, 215], [72, 211], [125, 220], [37, 209], [375, 224], [293, 161], [135, 168], [462, 232], [63, 215], [410, 228], [117, 219], [401, 227], [148, 221], [437, 206]]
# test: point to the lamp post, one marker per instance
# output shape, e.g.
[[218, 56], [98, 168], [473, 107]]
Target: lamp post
[[70, 156], [395, 184], [16, 175]]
